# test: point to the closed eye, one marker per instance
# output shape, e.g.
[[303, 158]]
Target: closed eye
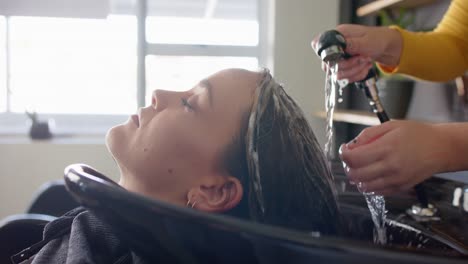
[[186, 104]]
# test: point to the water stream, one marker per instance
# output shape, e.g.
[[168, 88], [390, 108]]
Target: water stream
[[375, 203], [330, 99], [331, 85]]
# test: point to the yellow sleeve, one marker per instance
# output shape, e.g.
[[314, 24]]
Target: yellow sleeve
[[440, 55]]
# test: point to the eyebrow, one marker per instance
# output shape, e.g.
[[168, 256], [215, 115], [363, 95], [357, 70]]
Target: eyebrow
[[205, 83]]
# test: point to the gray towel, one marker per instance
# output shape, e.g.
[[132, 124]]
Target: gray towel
[[80, 237]]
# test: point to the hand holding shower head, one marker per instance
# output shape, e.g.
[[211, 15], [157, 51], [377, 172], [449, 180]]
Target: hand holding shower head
[[331, 49]]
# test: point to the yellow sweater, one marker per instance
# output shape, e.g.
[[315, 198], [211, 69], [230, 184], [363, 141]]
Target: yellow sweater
[[440, 55]]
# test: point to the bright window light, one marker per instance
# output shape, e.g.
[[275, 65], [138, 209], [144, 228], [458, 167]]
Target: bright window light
[[182, 73], [204, 31], [82, 72], [73, 66]]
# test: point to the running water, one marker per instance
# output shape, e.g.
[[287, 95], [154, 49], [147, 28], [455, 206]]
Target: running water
[[330, 109], [375, 203], [331, 85]]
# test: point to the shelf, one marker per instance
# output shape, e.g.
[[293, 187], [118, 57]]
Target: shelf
[[375, 6], [352, 116]]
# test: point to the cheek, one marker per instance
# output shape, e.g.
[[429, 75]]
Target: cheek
[[167, 162], [180, 145], [160, 145]]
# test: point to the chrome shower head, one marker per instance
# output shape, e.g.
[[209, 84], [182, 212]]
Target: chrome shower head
[[331, 46]]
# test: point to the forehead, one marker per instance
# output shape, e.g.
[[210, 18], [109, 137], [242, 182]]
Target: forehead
[[232, 95], [234, 84]]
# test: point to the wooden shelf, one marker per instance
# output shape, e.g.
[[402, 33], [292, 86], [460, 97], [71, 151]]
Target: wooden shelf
[[375, 6], [352, 116]]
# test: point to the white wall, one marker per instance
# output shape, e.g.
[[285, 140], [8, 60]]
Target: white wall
[[295, 63], [24, 166]]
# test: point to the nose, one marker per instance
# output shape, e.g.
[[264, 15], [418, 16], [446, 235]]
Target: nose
[[163, 98]]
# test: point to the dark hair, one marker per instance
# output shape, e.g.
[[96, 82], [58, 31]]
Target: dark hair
[[296, 188]]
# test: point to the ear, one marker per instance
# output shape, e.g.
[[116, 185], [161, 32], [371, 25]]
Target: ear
[[219, 196]]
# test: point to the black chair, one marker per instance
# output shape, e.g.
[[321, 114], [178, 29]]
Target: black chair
[[53, 199], [18, 232], [164, 233]]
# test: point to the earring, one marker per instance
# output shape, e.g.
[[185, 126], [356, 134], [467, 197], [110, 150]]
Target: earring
[[189, 204]]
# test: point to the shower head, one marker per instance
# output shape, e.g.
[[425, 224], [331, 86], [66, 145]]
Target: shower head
[[331, 46]]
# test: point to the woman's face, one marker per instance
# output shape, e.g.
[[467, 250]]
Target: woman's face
[[175, 144]]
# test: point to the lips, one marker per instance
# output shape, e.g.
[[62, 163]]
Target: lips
[[136, 120]]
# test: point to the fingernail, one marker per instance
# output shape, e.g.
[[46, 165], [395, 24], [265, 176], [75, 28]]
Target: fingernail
[[340, 150], [351, 143]]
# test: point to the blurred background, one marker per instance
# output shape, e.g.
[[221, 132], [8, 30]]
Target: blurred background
[[84, 66]]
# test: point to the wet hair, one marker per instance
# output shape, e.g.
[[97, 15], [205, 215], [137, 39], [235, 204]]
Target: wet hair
[[281, 166]]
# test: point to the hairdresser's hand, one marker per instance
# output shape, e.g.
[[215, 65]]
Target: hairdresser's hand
[[395, 156], [366, 44]]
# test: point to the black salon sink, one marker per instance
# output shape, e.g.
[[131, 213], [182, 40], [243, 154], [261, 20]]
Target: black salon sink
[[447, 236], [404, 233], [171, 234]]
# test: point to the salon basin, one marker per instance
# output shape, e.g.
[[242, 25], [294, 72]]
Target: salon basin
[[403, 233], [171, 234], [446, 236]]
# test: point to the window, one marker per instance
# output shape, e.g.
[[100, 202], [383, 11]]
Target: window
[[83, 72], [189, 40], [183, 30], [181, 73], [73, 66], [210, 22]]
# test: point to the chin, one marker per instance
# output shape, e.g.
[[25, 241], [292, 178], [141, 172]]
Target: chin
[[116, 141]]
